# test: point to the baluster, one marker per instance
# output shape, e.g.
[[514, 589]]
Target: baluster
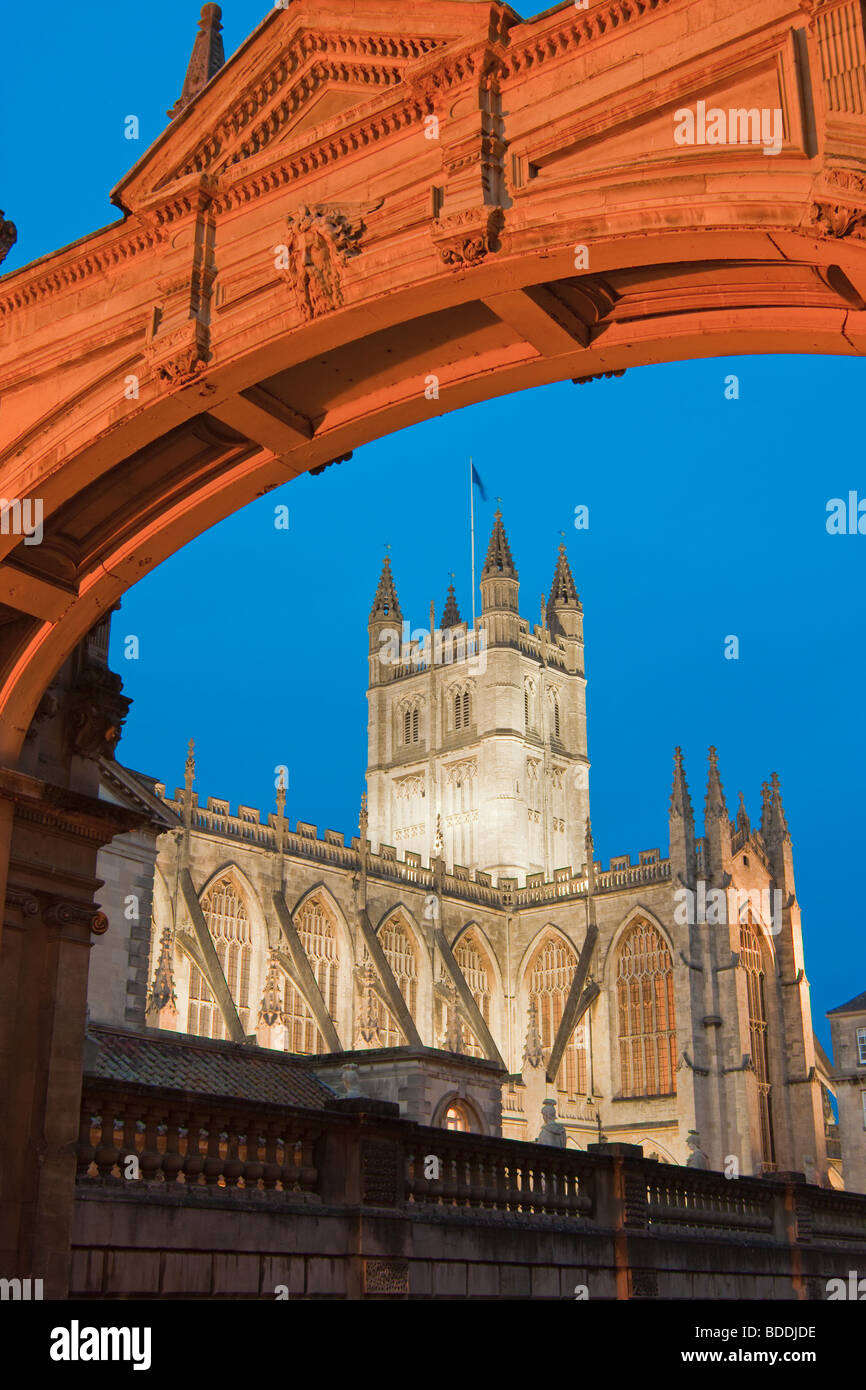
[[85, 1149], [213, 1164], [194, 1159], [105, 1153], [449, 1178], [150, 1158], [128, 1144], [253, 1167], [272, 1169], [308, 1173], [172, 1160]]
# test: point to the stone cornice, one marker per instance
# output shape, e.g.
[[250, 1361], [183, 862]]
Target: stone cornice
[[64, 811]]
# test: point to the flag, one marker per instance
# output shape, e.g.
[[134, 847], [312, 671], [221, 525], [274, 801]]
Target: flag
[[478, 483]]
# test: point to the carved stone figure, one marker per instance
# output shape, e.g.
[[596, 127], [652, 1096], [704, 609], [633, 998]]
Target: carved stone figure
[[697, 1158], [551, 1132], [319, 242]]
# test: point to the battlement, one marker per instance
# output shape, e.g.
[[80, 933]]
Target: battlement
[[383, 862]]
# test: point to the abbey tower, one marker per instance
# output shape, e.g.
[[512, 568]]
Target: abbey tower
[[484, 745]]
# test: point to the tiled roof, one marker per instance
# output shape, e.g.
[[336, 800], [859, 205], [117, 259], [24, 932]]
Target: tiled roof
[[854, 1006], [179, 1062]]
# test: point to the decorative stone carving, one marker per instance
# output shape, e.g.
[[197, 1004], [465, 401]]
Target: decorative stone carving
[[697, 1158], [8, 237], [349, 1078], [463, 239], [533, 1053], [46, 709], [320, 241], [61, 914], [96, 713], [178, 357], [840, 212], [271, 1011], [552, 1132], [162, 993]]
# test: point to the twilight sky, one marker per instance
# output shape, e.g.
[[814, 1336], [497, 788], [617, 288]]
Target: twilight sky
[[707, 519]]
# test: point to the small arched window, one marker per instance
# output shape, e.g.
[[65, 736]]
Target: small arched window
[[556, 716], [415, 725], [458, 711], [407, 725], [456, 1118], [466, 709]]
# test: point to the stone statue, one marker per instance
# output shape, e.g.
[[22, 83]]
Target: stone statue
[[697, 1158], [551, 1132], [349, 1074]]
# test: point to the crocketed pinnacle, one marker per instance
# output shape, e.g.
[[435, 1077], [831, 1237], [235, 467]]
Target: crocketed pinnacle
[[385, 604], [743, 822], [207, 57], [499, 559], [779, 820], [714, 805], [681, 802], [563, 593], [451, 614]]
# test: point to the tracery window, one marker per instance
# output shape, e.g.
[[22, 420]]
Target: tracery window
[[228, 923], [461, 709], [400, 953], [752, 963], [647, 1021], [550, 980], [315, 927], [472, 960]]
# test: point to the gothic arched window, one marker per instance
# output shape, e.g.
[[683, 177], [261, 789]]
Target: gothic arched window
[[401, 956], [458, 711], [472, 960], [647, 1022], [228, 923], [466, 709], [752, 962], [550, 978]]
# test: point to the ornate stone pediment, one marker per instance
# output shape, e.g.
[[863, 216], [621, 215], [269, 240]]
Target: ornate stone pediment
[[297, 81]]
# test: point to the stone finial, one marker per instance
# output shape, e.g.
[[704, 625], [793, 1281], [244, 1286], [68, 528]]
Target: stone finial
[[208, 56], [533, 1053], [385, 603], [271, 1009], [189, 767], [162, 995], [439, 846], [8, 237], [681, 802], [563, 591], [778, 808], [743, 822], [454, 1035], [498, 559], [451, 613], [715, 807]]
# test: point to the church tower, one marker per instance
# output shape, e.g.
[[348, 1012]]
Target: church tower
[[480, 735]]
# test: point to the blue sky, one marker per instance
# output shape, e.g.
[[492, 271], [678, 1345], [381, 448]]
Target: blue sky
[[707, 519]]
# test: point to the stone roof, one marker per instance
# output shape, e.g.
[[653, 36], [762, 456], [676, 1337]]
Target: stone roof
[[180, 1062], [854, 1006]]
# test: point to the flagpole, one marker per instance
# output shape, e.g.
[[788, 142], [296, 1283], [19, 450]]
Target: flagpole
[[472, 534]]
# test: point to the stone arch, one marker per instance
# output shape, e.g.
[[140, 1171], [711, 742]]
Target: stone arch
[[473, 1114]]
